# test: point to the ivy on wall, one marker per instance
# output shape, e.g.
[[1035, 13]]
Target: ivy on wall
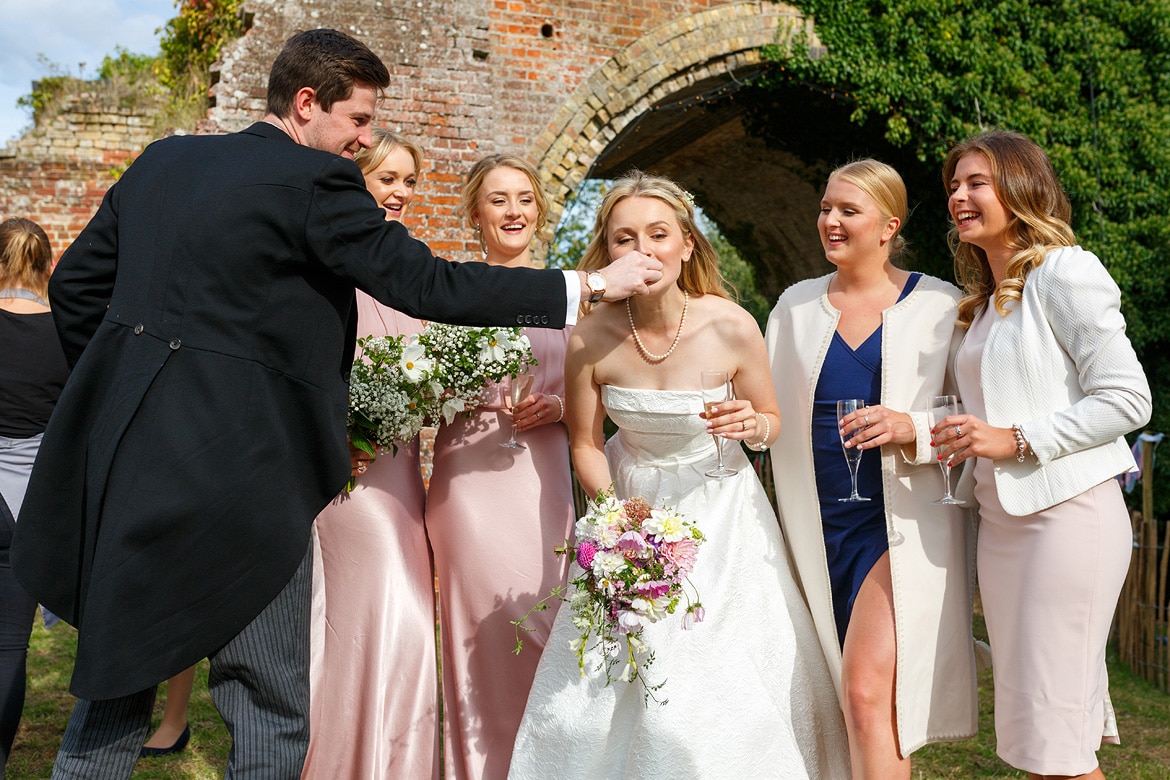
[[1089, 80]]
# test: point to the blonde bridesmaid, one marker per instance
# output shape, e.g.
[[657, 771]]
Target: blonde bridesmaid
[[495, 514], [374, 686]]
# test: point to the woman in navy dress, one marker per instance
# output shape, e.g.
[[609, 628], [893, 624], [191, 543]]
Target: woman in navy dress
[[888, 580], [855, 532]]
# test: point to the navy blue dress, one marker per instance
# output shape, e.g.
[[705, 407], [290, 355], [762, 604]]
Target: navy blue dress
[[855, 533]]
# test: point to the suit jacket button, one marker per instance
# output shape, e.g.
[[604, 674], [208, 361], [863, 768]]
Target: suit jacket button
[[175, 344], [138, 329], [519, 319], [527, 319], [543, 320]]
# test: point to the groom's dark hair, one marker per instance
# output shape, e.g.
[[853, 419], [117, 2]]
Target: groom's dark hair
[[330, 62]]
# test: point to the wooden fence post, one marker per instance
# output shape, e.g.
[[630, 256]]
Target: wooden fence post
[[1143, 617]]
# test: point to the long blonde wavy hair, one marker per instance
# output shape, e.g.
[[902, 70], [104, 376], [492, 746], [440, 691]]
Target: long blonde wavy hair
[[1038, 218], [386, 141], [700, 275]]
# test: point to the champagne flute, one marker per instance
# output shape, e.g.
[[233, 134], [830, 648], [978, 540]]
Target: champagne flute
[[941, 407], [519, 387], [846, 407], [716, 389]]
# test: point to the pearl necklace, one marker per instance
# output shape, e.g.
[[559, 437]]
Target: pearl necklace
[[647, 355]]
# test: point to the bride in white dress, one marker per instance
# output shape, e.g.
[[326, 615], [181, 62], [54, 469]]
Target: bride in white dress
[[745, 693]]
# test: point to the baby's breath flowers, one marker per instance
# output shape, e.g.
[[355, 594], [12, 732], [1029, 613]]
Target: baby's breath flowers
[[399, 384]]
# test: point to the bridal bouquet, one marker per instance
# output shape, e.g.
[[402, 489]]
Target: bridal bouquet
[[634, 562], [400, 384]]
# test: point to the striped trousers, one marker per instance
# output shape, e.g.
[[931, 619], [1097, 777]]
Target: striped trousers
[[259, 682]]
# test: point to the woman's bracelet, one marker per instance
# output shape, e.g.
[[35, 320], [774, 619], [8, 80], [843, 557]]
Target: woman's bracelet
[[1021, 442], [762, 444], [560, 403]]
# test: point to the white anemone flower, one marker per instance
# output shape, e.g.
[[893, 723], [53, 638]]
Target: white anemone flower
[[494, 347], [414, 362]]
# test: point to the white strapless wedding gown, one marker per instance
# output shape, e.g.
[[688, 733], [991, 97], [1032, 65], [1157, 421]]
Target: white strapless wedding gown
[[748, 694]]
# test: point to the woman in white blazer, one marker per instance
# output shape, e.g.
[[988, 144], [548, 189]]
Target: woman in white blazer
[[1050, 385], [889, 581]]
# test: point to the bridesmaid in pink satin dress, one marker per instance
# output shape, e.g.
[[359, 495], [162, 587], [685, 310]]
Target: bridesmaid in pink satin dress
[[494, 514], [374, 685]]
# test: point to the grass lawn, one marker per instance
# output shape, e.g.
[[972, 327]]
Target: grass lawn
[[1143, 714]]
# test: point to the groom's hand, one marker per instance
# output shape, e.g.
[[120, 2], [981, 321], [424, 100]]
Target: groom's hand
[[631, 274]]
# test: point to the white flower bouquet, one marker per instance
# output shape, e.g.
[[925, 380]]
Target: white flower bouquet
[[386, 402], [468, 360], [400, 384]]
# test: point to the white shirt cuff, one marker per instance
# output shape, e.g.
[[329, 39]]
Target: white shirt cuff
[[572, 296]]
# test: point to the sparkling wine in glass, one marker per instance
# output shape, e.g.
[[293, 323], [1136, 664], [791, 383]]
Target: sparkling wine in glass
[[518, 389], [939, 408], [716, 389], [845, 407]]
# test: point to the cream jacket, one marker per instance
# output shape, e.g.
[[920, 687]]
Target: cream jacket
[[931, 546], [1061, 367]]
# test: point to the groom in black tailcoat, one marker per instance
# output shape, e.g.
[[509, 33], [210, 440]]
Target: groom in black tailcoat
[[208, 313]]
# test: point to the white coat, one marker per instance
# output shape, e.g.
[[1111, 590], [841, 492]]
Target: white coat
[[1061, 367], [932, 546]]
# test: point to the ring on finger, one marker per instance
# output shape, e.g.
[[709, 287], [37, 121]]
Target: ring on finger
[[744, 424], [958, 432]]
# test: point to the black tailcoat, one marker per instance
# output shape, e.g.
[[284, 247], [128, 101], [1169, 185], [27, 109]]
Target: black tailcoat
[[208, 308]]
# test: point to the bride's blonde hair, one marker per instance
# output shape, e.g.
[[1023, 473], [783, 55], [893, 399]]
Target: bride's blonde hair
[[1038, 218], [700, 275]]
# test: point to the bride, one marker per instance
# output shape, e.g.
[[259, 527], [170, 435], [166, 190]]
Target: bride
[[746, 692]]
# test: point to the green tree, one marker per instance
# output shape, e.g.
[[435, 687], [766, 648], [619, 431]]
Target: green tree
[[181, 71], [191, 44], [1089, 80]]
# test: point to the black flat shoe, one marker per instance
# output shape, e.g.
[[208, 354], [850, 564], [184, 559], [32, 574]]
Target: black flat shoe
[[180, 743]]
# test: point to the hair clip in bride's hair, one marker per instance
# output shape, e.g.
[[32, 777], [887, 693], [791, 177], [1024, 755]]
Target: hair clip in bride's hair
[[687, 196]]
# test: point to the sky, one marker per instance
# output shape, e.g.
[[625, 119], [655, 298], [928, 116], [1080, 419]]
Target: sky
[[67, 33]]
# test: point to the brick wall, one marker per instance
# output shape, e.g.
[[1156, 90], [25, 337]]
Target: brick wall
[[556, 82], [552, 81]]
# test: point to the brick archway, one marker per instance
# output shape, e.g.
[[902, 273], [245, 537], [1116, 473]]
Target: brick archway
[[658, 77]]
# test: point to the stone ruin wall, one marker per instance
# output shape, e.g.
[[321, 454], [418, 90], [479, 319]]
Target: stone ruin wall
[[57, 173]]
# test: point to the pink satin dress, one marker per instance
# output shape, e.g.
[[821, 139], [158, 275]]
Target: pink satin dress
[[494, 516], [373, 676]]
